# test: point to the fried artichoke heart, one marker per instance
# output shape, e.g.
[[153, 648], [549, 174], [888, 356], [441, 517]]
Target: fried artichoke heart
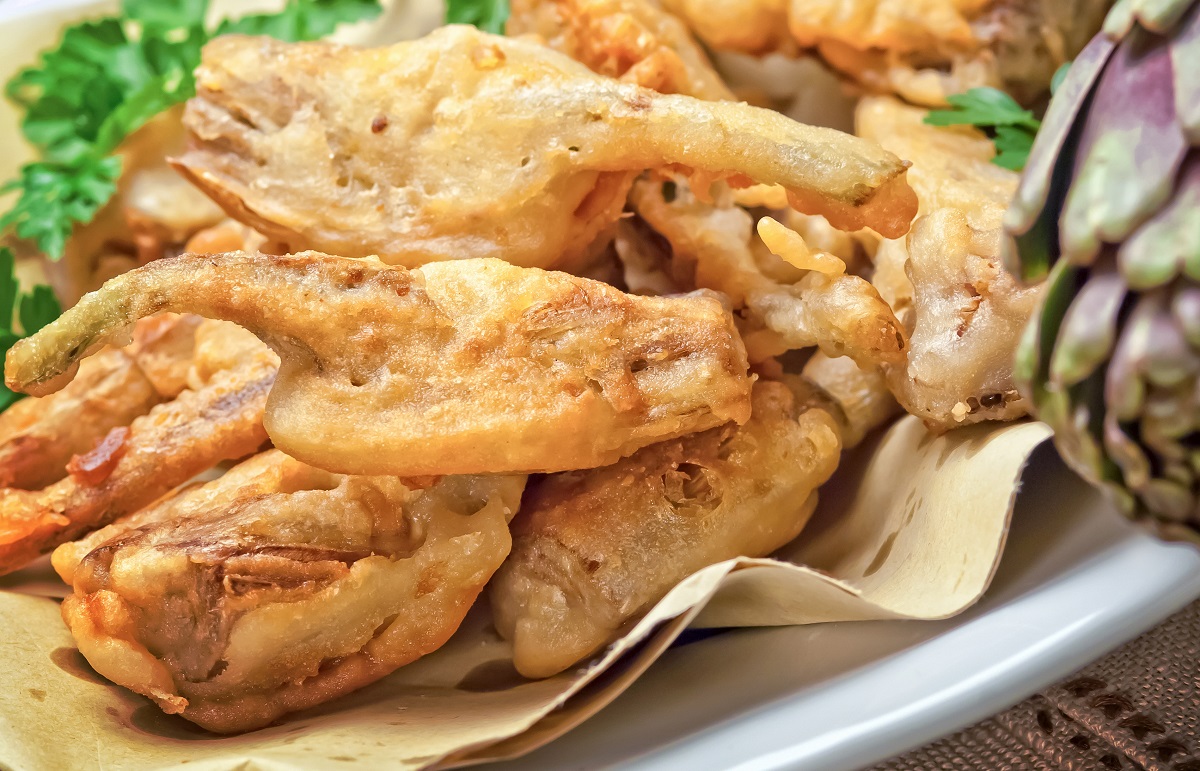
[[965, 313], [594, 549], [713, 246], [38, 437], [747, 26], [471, 366], [131, 464], [283, 587], [463, 144], [632, 40]]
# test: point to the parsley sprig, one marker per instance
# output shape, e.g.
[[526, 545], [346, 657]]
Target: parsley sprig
[[106, 79], [1011, 127], [31, 311], [488, 15]]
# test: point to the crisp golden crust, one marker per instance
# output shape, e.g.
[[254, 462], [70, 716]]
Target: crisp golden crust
[[285, 586], [632, 40], [749, 26], [38, 437], [925, 50], [964, 312], [593, 549], [861, 398], [135, 465], [464, 144], [472, 366], [41, 435], [712, 246]]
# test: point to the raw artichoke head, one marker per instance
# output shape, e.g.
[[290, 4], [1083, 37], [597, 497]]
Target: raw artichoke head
[[1108, 214]]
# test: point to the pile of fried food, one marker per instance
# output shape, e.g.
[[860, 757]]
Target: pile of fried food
[[549, 314]]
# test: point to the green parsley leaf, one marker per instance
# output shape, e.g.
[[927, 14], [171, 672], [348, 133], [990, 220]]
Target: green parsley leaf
[[488, 15], [109, 77], [38, 308], [1011, 127], [166, 14], [303, 19], [34, 311], [56, 196], [1013, 145], [983, 107]]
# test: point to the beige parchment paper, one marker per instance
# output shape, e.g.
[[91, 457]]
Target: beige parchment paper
[[911, 527]]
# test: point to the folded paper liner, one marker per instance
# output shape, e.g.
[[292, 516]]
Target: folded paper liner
[[911, 527]]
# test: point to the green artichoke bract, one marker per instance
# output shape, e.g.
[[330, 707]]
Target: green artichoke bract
[[1108, 213]]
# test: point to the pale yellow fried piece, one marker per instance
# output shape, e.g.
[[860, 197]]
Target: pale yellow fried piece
[[263, 474], [633, 40], [925, 50], [275, 593], [748, 26], [464, 144], [38, 437], [134, 465], [861, 398], [471, 366], [594, 549], [965, 314], [712, 247], [968, 316]]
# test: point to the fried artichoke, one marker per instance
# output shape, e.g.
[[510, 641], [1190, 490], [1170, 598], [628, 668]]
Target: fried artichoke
[[594, 549], [463, 144], [281, 587], [470, 366]]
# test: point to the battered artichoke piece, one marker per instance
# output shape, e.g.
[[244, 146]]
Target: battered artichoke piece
[[633, 40], [471, 366], [463, 144], [283, 587], [594, 549], [38, 437], [965, 314], [134, 465], [747, 26], [712, 246], [925, 50]]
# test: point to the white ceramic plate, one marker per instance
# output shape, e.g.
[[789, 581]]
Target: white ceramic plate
[[1076, 581]]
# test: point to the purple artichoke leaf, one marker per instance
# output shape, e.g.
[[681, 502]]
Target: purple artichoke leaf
[[1159, 16], [1185, 56], [1185, 307], [1089, 328], [1129, 152], [1168, 244], [1127, 453], [1052, 157]]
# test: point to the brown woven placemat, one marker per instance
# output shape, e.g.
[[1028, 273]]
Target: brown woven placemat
[[1138, 708]]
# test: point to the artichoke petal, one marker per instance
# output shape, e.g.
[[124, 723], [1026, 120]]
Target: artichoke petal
[[1050, 160], [1157, 15], [1126, 453], [1185, 307], [1125, 392], [1130, 150], [1089, 329], [1185, 56], [1169, 242]]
